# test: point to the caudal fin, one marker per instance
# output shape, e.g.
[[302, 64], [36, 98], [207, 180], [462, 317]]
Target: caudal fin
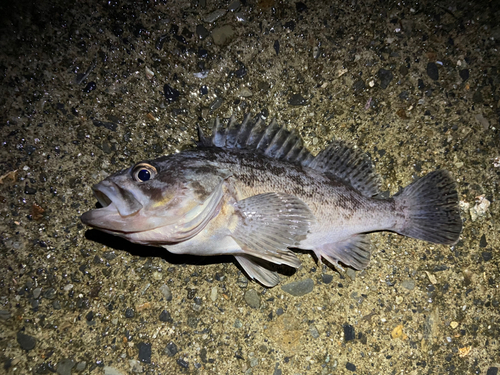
[[430, 208]]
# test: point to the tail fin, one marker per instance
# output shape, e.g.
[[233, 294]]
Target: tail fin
[[430, 208]]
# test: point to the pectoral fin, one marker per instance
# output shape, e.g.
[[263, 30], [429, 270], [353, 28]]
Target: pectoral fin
[[270, 223]]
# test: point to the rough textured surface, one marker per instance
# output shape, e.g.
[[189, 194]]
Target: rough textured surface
[[88, 88]]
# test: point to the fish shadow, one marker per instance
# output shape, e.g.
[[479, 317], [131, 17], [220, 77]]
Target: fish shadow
[[121, 244]]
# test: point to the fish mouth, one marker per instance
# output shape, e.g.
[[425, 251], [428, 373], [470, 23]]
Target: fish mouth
[[118, 206], [103, 199]]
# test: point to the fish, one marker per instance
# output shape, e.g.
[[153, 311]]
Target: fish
[[254, 191]]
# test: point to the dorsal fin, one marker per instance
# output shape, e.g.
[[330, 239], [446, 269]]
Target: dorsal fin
[[350, 165], [339, 160], [272, 140]]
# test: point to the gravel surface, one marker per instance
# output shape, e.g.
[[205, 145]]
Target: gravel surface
[[88, 88]]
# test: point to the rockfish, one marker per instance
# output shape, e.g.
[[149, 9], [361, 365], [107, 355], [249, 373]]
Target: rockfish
[[255, 192]]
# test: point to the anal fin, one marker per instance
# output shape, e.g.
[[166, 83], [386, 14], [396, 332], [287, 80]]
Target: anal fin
[[354, 252]]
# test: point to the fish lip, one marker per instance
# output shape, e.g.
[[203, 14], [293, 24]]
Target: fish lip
[[110, 193], [98, 217], [117, 204]]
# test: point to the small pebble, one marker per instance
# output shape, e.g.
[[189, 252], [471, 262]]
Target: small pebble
[[135, 366], [144, 352], [299, 288], [183, 363], [408, 284], [216, 103], [358, 86], [454, 324], [109, 255], [464, 74], [166, 317], [241, 16], [242, 281], [223, 35], [81, 366], [149, 73], [37, 292], [90, 87], [234, 6], [241, 72], [349, 332], [276, 46], [254, 362], [313, 331], [245, 92], [351, 273], [215, 15], [26, 342], [202, 32], [296, 100], [327, 279], [171, 349], [300, 6], [482, 243], [108, 370], [487, 256], [49, 293], [432, 71], [350, 366], [64, 366], [252, 298], [167, 293], [431, 277], [213, 294], [385, 77], [171, 94], [398, 333], [290, 25]]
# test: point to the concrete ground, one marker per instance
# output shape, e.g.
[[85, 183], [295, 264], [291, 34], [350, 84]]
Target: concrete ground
[[90, 87]]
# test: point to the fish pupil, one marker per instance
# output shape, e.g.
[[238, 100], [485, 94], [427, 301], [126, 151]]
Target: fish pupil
[[144, 175]]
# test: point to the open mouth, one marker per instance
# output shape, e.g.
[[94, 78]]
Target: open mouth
[[118, 205], [103, 199], [110, 194]]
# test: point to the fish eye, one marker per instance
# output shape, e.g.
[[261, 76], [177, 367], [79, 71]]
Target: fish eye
[[143, 172]]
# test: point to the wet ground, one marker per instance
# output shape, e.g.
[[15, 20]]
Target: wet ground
[[91, 87]]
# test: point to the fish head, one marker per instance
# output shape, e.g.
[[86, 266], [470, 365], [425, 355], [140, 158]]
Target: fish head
[[156, 202]]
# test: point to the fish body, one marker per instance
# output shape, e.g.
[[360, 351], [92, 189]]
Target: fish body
[[254, 191]]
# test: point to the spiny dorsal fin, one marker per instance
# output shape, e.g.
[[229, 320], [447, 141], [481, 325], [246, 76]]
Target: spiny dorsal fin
[[338, 159], [271, 140], [348, 164]]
